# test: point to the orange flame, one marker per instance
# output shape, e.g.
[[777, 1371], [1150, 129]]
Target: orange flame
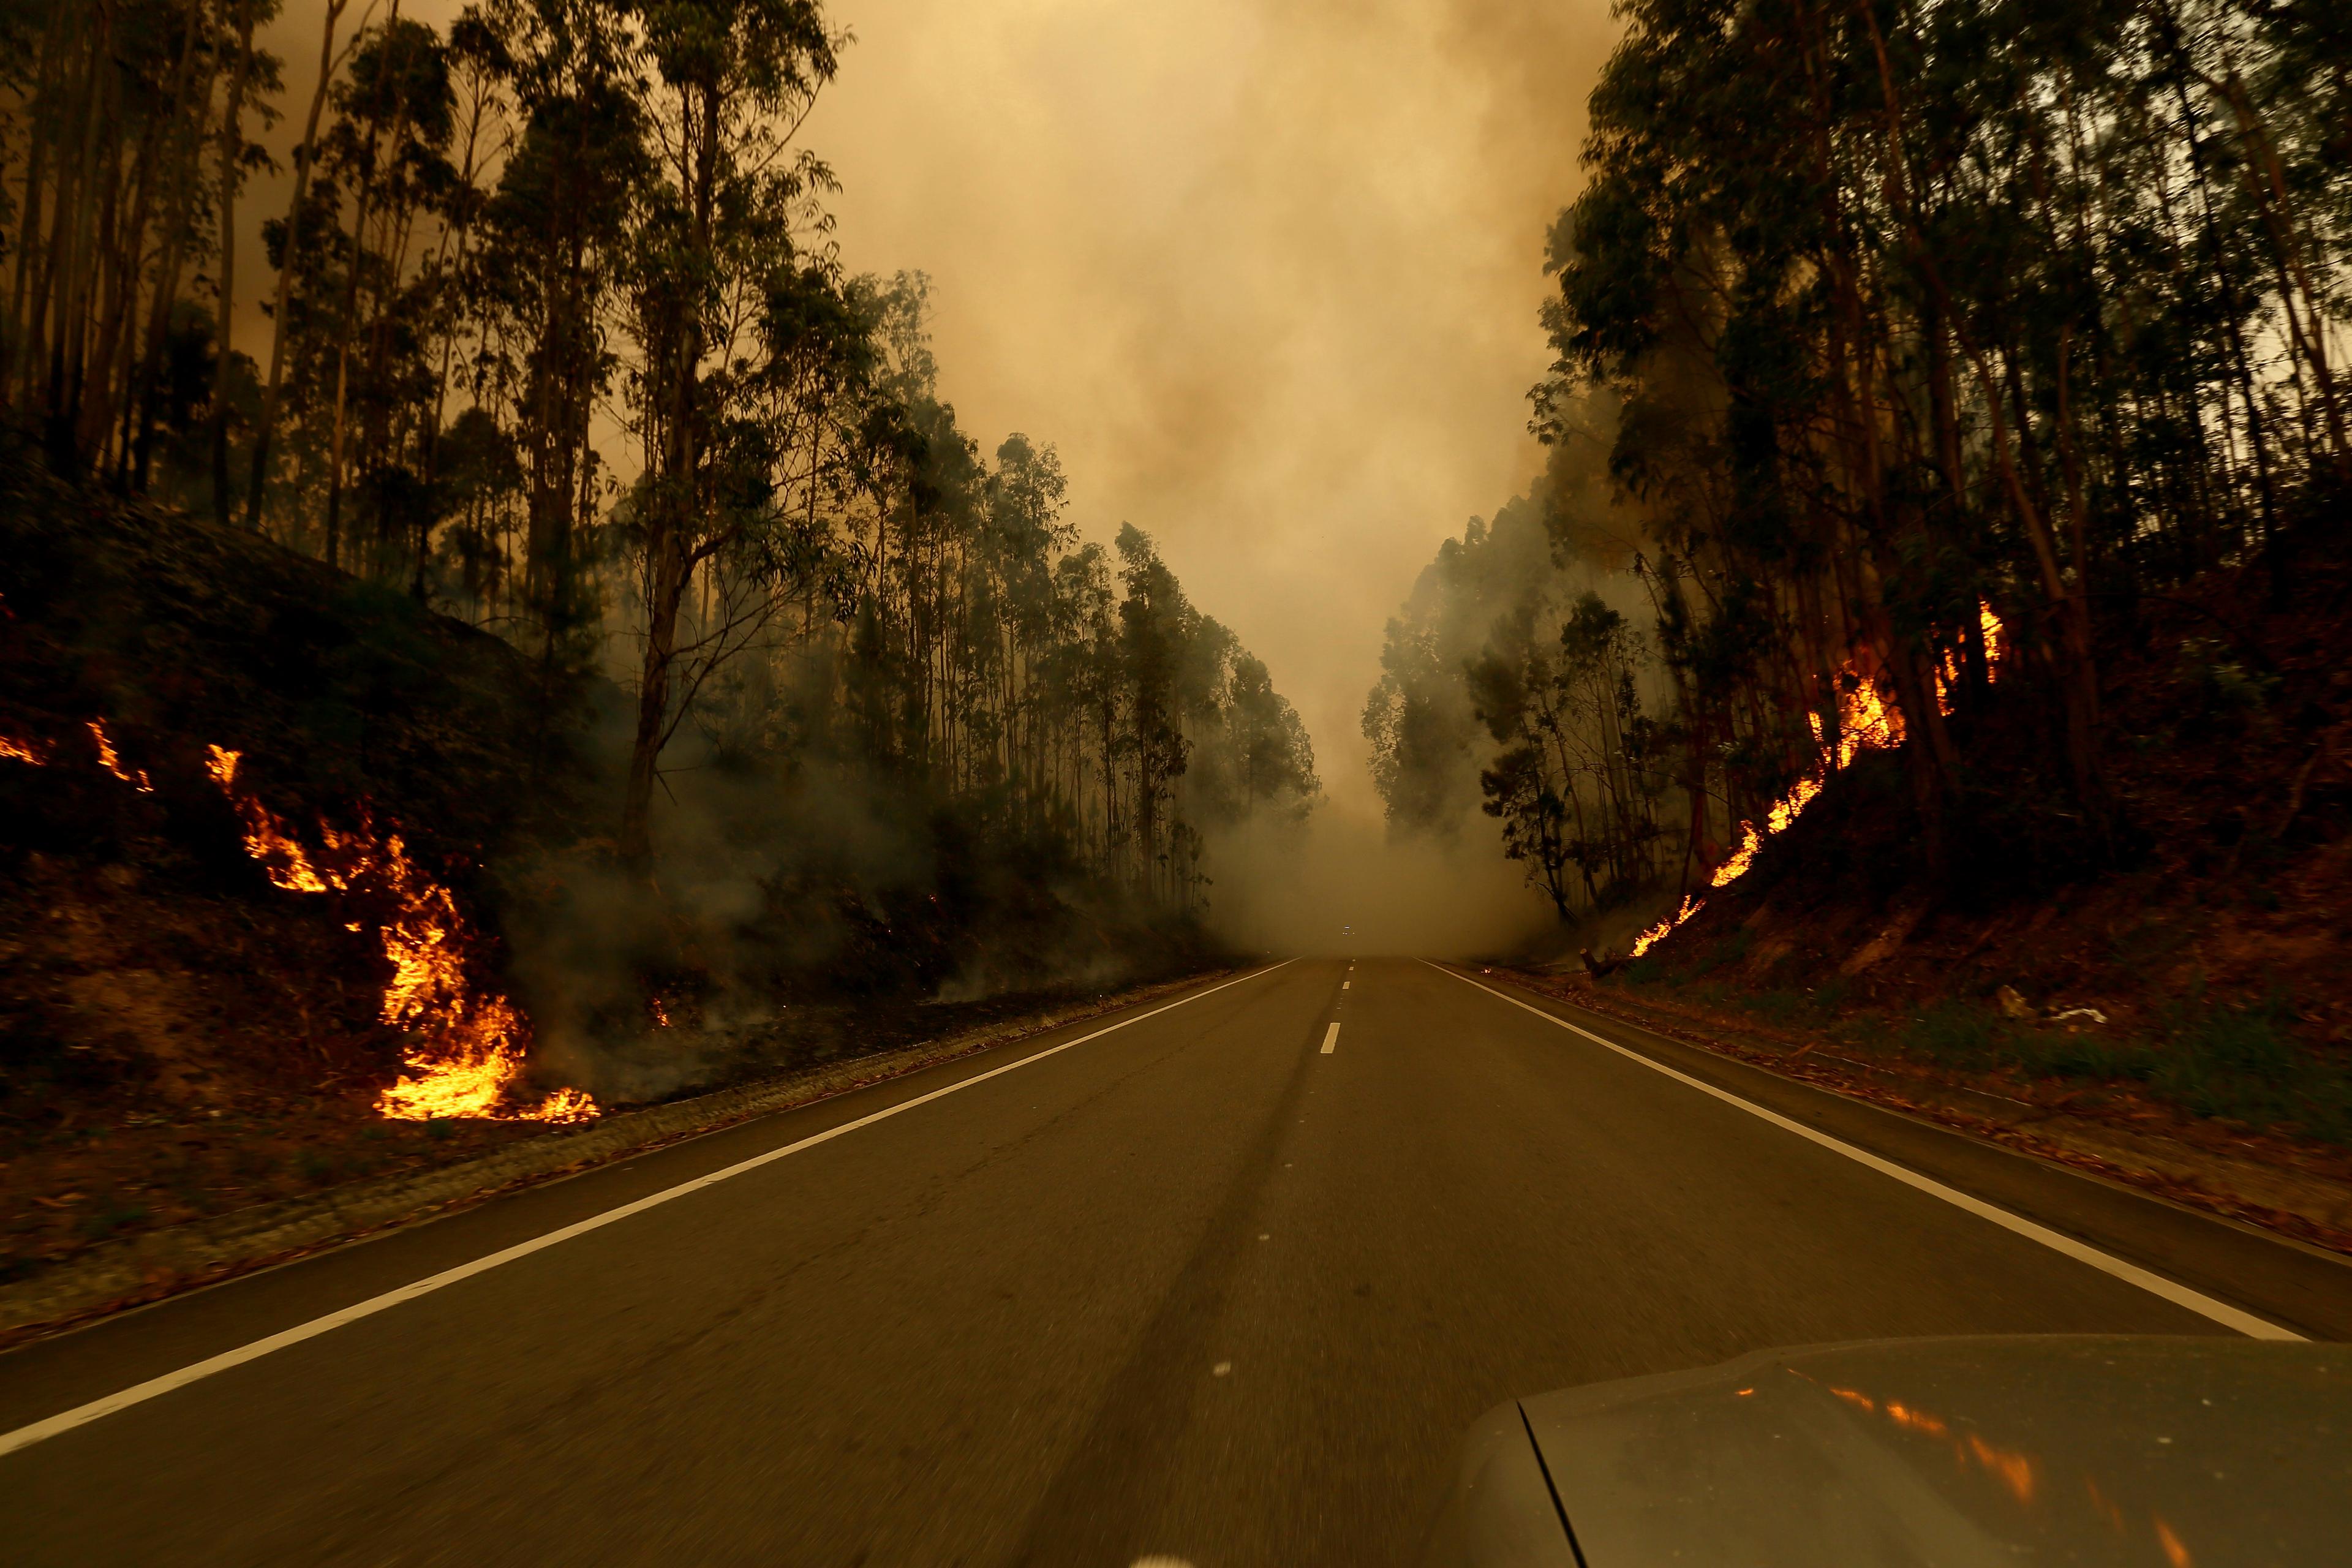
[[1866, 723], [1657, 933], [266, 838], [30, 752], [112, 764], [465, 1046], [1947, 675]]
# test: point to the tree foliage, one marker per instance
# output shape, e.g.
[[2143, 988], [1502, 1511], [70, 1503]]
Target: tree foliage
[[1906, 322], [558, 342]]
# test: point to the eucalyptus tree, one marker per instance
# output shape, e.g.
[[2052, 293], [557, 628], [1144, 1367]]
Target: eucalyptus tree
[[557, 341], [289, 253], [713, 264], [552, 241], [2029, 308], [234, 158]]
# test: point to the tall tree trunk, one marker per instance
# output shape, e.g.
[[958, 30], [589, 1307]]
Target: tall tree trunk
[[231, 156], [677, 501], [126, 262], [306, 156]]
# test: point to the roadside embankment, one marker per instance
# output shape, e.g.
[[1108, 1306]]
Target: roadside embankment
[[148, 1266], [2294, 1186]]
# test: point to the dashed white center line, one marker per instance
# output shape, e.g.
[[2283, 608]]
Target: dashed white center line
[[1345, 983], [1331, 1038]]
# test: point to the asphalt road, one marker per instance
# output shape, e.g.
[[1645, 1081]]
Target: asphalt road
[[1195, 1287]]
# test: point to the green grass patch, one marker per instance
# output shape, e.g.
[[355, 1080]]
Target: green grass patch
[[2210, 1059], [1958, 1034], [2241, 1063]]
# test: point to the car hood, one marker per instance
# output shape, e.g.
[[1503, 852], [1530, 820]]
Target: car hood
[[2181, 1453]]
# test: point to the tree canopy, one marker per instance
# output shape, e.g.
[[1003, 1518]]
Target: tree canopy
[[558, 342]]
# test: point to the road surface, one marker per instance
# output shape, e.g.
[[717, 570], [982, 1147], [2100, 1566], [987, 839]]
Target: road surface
[[1214, 1284]]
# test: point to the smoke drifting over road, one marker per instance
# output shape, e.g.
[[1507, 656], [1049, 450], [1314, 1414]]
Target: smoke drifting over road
[[1267, 274], [1341, 885]]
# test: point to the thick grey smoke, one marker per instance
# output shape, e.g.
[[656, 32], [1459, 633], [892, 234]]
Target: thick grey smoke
[[1343, 885]]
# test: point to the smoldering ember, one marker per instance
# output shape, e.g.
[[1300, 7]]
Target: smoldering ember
[[893, 782]]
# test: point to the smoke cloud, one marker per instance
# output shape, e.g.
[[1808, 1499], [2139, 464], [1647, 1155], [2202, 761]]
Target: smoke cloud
[[1341, 886], [1267, 274]]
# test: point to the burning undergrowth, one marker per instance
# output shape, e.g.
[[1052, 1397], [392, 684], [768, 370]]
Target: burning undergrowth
[[301, 883], [789, 911], [467, 1043], [1866, 722], [464, 1043], [2192, 967]]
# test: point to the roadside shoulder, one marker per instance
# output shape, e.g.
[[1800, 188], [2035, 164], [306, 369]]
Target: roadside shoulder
[[2282, 1277], [152, 1265]]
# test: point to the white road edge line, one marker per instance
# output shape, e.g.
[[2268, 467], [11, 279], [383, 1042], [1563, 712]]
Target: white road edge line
[[2179, 1295], [1331, 1038], [138, 1394]]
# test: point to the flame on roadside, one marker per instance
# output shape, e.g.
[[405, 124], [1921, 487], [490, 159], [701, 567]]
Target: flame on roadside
[[467, 1046], [1865, 723], [137, 778], [1657, 933], [30, 752]]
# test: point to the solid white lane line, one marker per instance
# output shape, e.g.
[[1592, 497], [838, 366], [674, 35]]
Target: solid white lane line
[[2179, 1295], [82, 1415], [1331, 1038]]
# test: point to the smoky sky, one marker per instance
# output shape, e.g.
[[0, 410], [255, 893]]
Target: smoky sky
[[1266, 272]]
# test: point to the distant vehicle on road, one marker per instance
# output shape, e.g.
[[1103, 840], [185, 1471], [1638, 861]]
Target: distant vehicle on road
[[1951, 1453]]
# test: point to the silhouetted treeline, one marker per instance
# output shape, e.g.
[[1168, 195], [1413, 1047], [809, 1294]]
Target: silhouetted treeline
[[1520, 676], [1890, 314], [546, 330]]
